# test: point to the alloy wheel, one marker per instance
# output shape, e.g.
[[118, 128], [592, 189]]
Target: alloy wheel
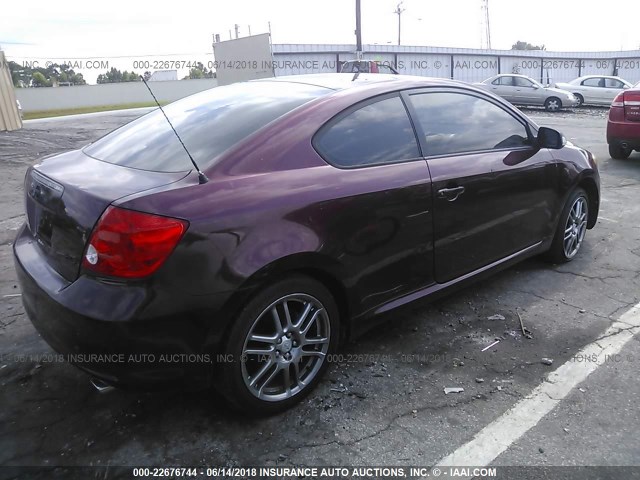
[[286, 347], [575, 227]]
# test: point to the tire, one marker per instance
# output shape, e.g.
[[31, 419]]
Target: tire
[[266, 356], [580, 99], [571, 228], [617, 152], [552, 104]]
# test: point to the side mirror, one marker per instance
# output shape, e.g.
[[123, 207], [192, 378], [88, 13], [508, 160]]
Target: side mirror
[[550, 138], [535, 87]]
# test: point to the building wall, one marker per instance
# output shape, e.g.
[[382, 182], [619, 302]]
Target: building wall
[[243, 59], [60, 98], [469, 65]]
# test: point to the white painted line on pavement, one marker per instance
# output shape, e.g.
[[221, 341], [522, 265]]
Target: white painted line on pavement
[[496, 437]]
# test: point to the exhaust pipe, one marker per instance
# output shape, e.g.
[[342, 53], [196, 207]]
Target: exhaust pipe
[[101, 386]]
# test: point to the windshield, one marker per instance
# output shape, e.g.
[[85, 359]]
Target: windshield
[[209, 123]]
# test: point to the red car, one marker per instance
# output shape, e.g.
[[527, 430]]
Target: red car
[[623, 126]]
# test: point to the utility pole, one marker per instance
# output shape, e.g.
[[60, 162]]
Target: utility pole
[[358, 31], [237, 30], [398, 11], [485, 40]]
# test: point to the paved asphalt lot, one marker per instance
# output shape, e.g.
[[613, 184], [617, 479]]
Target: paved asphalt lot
[[383, 404]]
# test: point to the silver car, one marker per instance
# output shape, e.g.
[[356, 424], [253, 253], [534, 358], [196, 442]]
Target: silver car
[[595, 89], [523, 90]]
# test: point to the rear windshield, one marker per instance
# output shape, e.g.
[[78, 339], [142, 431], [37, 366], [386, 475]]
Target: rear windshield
[[209, 123]]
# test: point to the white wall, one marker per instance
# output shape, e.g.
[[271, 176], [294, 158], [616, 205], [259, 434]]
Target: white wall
[[60, 98]]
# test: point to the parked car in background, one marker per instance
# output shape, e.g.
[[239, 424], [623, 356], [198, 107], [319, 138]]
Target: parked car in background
[[595, 89], [367, 66], [623, 124], [523, 90], [325, 201]]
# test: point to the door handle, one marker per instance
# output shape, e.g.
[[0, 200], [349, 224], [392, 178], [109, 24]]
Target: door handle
[[450, 194]]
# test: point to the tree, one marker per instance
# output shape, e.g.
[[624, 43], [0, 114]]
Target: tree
[[196, 73], [199, 71], [519, 45], [39, 80], [18, 75], [116, 76], [24, 75]]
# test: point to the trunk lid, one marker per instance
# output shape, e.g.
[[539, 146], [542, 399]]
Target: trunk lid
[[66, 195], [632, 105]]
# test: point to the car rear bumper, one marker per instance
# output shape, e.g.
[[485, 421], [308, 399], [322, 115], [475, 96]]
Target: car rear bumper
[[106, 329], [624, 132]]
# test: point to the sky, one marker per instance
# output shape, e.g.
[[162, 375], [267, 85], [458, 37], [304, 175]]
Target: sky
[[121, 32]]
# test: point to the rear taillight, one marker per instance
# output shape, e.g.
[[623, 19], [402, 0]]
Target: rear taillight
[[131, 244], [618, 101]]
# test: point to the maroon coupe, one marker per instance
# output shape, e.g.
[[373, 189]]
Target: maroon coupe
[[324, 201]]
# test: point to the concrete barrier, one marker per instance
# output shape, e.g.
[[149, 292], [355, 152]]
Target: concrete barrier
[[62, 98]]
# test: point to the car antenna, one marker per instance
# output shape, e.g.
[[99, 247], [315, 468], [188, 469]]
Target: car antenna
[[202, 178]]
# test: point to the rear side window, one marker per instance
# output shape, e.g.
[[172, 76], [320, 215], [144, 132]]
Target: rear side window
[[457, 123], [506, 81], [522, 82], [209, 123], [613, 83], [376, 133], [593, 82]]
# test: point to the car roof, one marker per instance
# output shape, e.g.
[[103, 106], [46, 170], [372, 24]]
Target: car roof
[[584, 77], [343, 81], [511, 75]]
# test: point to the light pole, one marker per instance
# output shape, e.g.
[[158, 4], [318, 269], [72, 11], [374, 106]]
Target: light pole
[[358, 31], [398, 11]]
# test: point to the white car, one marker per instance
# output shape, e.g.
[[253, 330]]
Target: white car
[[523, 90], [595, 89]]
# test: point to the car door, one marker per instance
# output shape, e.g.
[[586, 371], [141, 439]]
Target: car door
[[384, 225], [527, 93], [504, 87], [591, 89], [494, 191], [612, 87]]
